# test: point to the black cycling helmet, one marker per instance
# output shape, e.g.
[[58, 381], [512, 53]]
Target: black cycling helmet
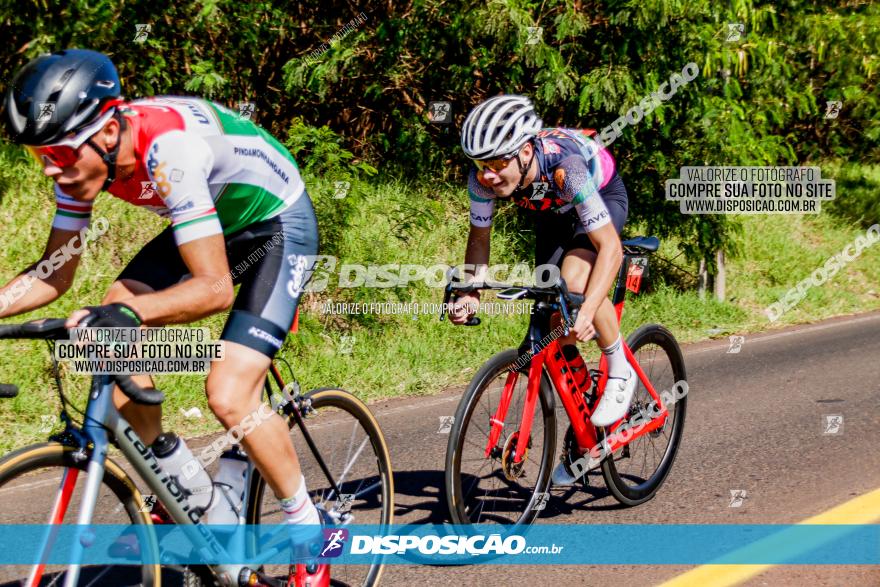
[[78, 83]]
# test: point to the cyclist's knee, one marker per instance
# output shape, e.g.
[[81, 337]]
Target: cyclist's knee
[[227, 400]]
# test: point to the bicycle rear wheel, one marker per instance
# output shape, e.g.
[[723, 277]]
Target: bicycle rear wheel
[[30, 481], [353, 448], [484, 490], [635, 472]]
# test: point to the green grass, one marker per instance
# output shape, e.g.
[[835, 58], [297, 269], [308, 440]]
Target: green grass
[[393, 222]]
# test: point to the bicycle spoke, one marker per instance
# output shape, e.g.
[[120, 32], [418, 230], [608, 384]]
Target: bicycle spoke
[[98, 576], [488, 495], [351, 462]]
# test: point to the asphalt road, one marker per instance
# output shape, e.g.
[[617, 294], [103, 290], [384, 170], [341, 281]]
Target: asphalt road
[[756, 422]]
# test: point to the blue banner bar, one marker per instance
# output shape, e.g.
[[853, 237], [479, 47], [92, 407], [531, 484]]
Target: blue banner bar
[[675, 544]]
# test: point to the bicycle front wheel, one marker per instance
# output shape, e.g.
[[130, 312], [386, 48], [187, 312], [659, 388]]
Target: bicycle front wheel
[[483, 489], [351, 445], [635, 472], [36, 479]]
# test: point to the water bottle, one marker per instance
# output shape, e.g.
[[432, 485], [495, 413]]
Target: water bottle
[[178, 461], [229, 488]]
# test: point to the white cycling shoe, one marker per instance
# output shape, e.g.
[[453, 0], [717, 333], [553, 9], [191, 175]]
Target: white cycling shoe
[[615, 401]]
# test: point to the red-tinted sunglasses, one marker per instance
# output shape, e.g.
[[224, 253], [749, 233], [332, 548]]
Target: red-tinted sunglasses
[[66, 152], [58, 155], [496, 165]]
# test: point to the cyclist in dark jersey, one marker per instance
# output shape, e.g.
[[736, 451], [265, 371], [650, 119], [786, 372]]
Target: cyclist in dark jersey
[[571, 189], [234, 197]]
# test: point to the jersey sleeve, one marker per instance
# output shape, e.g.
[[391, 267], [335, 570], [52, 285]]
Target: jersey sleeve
[[70, 214], [179, 164], [578, 181], [482, 202]]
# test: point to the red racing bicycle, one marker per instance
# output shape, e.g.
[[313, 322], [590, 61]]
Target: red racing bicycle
[[501, 448]]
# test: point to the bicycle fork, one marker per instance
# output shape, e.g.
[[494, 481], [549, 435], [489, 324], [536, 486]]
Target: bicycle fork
[[59, 509], [525, 427], [96, 412]]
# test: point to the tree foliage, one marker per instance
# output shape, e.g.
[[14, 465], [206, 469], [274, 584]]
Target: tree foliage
[[759, 100]]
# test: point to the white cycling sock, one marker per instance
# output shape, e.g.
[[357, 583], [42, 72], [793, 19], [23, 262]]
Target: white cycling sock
[[299, 509], [618, 366]]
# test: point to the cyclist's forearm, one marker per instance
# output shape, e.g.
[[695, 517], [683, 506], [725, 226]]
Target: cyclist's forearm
[[26, 292], [477, 252], [185, 302]]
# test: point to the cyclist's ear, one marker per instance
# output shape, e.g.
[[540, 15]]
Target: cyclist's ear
[[110, 134]]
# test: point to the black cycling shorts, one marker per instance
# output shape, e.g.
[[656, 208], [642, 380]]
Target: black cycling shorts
[[557, 234], [272, 260]]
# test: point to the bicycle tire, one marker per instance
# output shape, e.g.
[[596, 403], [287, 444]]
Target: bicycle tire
[[457, 500], [52, 454], [339, 399], [641, 492]]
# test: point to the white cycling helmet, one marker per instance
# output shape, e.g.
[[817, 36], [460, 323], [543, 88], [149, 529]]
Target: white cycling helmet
[[499, 126]]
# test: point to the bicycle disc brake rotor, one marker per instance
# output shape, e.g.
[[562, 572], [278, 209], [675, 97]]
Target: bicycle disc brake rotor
[[513, 471], [641, 407]]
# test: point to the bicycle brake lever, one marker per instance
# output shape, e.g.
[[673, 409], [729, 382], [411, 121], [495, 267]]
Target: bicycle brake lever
[[447, 294], [567, 320]]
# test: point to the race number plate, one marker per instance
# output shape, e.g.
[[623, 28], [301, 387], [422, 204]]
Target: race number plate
[[634, 273]]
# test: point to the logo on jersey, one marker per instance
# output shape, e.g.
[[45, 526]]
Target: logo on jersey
[[334, 540], [197, 113], [157, 171], [551, 148], [477, 218], [183, 207], [598, 218]]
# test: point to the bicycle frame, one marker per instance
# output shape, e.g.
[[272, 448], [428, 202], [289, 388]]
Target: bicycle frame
[[100, 415], [548, 359]]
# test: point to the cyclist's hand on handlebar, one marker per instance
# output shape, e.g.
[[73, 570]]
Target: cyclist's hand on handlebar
[[111, 315], [583, 324], [464, 307]]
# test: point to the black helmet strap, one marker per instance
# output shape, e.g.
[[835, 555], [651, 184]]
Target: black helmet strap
[[109, 157], [523, 169]]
